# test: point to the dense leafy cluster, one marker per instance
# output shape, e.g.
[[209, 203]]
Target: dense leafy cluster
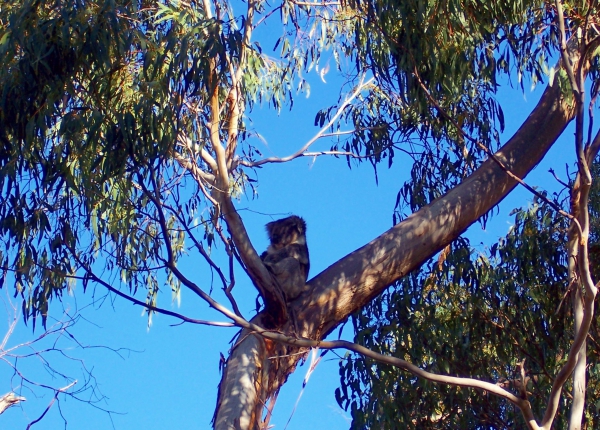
[[439, 64], [473, 315], [486, 315], [92, 107]]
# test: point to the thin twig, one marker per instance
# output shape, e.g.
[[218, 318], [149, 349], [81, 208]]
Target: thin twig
[[57, 392], [360, 87]]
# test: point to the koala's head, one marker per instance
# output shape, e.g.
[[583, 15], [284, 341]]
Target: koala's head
[[286, 231]]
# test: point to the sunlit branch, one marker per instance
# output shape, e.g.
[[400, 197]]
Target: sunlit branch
[[490, 154], [564, 53], [340, 344], [8, 400], [235, 96], [583, 313], [192, 167], [360, 87], [220, 169], [493, 156], [522, 404], [567, 369], [207, 9], [11, 327]]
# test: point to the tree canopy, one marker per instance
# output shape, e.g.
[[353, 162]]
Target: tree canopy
[[128, 142]]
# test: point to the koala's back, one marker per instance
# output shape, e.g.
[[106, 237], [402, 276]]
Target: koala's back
[[287, 255]]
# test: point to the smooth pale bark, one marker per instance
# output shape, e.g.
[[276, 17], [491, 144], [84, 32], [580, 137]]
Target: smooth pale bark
[[353, 281], [238, 400], [579, 377], [8, 400], [578, 390]]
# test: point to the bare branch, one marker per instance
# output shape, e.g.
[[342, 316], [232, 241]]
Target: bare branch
[[56, 393], [8, 400], [90, 275], [359, 88], [493, 388]]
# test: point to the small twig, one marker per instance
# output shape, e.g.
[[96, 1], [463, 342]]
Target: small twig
[[361, 85], [90, 275], [57, 392], [564, 53]]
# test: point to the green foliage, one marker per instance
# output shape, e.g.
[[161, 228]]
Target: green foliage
[[101, 105], [91, 109], [438, 66], [471, 315]]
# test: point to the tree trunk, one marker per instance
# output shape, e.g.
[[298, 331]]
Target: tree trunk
[[353, 281]]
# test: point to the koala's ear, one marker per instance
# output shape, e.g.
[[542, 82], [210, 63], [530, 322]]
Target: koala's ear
[[301, 225], [269, 226]]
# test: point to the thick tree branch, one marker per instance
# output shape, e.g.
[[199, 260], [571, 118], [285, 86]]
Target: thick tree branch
[[354, 280]]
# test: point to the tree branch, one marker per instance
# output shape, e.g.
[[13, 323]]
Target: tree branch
[[360, 87], [8, 400], [56, 393], [355, 279]]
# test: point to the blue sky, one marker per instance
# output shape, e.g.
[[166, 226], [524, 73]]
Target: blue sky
[[168, 378]]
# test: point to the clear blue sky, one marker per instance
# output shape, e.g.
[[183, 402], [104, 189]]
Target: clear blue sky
[[169, 378]]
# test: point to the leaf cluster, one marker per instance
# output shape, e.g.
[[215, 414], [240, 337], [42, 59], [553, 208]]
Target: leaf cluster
[[470, 314], [438, 65], [98, 99]]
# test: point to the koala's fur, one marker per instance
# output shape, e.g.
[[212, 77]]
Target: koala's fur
[[287, 255]]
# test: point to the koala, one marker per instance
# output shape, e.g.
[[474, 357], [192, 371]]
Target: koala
[[287, 255]]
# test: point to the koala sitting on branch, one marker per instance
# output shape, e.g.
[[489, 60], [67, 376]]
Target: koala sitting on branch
[[287, 255]]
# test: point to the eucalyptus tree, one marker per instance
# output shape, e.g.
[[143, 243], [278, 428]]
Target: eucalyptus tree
[[125, 131], [500, 315]]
